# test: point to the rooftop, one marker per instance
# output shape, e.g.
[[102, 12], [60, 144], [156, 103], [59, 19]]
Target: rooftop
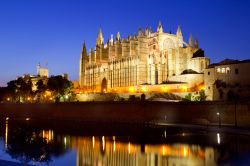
[[229, 62]]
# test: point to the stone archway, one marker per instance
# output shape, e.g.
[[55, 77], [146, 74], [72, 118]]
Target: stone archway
[[104, 85]]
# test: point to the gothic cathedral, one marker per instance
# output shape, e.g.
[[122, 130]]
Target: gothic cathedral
[[145, 59]]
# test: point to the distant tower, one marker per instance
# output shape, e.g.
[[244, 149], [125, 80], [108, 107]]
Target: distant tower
[[147, 31], [42, 71], [179, 36], [83, 61], [196, 43], [38, 68], [100, 39], [191, 44], [159, 28]]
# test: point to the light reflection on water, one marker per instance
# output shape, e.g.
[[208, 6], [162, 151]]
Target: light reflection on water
[[29, 145], [112, 152]]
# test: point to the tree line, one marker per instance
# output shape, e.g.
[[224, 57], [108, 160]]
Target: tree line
[[55, 88]]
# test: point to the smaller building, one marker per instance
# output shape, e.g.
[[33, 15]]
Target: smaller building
[[42, 74], [42, 71], [227, 80]]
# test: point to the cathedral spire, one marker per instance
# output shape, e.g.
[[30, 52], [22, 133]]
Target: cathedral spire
[[160, 28], [147, 31], [178, 33], [84, 52], [140, 32], [118, 37], [191, 40], [100, 39], [111, 41], [196, 43]]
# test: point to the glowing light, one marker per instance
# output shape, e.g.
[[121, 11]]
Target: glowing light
[[184, 88], [185, 152], [129, 148], [131, 89], [103, 143], [164, 89], [218, 113], [8, 99], [49, 136], [114, 142], [93, 141], [144, 89], [6, 133], [7, 118], [202, 87], [218, 138], [66, 96], [28, 98], [51, 98], [52, 134], [65, 141], [27, 119], [163, 150]]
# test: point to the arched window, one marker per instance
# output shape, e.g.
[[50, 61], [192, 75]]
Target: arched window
[[218, 70], [223, 70], [227, 70]]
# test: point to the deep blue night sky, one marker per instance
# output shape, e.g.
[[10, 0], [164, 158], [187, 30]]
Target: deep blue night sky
[[52, 31]]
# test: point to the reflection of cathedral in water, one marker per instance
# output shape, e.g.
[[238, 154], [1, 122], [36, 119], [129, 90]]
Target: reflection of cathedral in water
[[107, 152]]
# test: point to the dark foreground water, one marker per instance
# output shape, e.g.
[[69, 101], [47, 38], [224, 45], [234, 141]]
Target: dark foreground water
[[69, 143]]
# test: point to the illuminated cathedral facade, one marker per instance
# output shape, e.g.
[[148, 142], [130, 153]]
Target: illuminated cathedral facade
[[145, 60]]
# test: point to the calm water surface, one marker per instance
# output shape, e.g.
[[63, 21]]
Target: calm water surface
[[30, 142]]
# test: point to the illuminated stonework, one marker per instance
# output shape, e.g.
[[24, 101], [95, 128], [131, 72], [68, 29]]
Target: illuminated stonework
[[146, 59]]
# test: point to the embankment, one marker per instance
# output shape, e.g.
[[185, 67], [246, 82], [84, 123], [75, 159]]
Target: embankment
[[204, 113]]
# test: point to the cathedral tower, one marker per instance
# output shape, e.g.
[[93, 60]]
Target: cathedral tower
[[179, 37], [83, 61], [100, 39]]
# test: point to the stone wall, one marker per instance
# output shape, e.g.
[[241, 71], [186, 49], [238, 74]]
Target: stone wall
[[203, 113]]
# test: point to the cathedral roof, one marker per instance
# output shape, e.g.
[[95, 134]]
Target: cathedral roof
[[198, 53], [229, 62]]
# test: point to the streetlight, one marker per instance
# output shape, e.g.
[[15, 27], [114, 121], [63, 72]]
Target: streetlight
[[218, 114]]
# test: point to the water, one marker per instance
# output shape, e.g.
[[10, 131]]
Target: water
[[74, 143]]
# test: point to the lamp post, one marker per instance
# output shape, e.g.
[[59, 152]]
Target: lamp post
[[218, 114]]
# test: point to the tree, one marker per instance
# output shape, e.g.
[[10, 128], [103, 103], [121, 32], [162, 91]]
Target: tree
[[12, 88], [188, 97], [201, 96], [24, 88], [20, 89], [41, 88], [59, 86], [26, 144], [4, 94]]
